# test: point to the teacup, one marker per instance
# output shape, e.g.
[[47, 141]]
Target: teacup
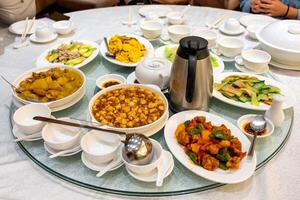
[[147, 168], [175, 18], [151, 29], [177, 32], [63, 27], [23, 117], [154, 71], [100, 147], [209, 35], [60, 137], [229, 47], [254, 59], [43, 33], [232, 25]]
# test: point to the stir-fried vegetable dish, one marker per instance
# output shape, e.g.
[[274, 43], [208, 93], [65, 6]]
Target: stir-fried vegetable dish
[[126, 49], [209, 146], [247, 89], [51, 85], [70, 54]]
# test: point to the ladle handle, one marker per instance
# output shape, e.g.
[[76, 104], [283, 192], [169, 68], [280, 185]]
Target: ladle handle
[[66, 123]]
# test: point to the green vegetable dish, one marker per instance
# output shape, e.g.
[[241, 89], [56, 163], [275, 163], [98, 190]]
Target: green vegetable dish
[[70, 54], [247, 89]]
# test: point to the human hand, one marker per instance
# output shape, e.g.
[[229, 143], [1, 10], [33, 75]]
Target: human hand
[[273, 8], [255, 6]]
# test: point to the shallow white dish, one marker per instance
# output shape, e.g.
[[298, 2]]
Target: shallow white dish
[[42, 61], [35, 39], [232, 32], [58, 104], [247, 118], [285, 91], [160, 51], [220, 68], [99, 166], [18, 134], [256, 19], [151, 177], [247, 166], [159, 10], [244, 69], [283, 66], [52, 151], [109, 77], [18, 27], [145, 42]]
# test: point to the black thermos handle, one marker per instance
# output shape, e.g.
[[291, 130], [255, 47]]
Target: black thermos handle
[[190, 85]]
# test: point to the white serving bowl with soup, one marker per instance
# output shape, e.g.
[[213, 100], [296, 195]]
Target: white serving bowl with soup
[[127, 112]]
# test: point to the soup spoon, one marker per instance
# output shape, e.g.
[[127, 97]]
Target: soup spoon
[[138, 147], [258, 124]]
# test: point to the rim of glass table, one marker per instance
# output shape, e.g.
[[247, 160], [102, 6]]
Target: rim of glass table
[[144, 194]]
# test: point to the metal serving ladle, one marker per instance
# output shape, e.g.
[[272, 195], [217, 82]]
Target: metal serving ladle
[[138, 147]]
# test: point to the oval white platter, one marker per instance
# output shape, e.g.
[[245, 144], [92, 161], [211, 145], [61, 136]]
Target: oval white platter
[[247, 166], [42, 61], [285, 91], [145, 42]]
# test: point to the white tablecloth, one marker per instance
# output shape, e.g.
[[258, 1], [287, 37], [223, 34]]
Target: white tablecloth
[[20, 178]]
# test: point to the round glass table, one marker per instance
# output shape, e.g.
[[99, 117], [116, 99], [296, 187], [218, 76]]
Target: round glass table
[[181, 181]]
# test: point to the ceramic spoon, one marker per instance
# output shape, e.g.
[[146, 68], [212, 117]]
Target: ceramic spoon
[[64, 152], [111, 165], [32, 136], [161, 171]]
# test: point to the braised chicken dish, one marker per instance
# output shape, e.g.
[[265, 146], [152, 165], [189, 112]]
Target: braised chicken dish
[[128, 107], [51, 85], [209, 146]]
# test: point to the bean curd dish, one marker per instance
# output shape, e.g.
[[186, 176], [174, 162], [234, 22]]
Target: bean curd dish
[[126, 49], [51, 85], [128, 107], [209, 146]]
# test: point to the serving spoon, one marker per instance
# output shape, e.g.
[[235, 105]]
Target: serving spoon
[[258, 124], [138, 147], [107, 53]]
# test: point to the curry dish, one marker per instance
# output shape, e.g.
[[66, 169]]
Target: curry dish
[[51, 85], [209, 146], [128, 107], [126, 49]]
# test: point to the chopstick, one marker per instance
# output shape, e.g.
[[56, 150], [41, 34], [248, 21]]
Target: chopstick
[[67, 123], [25, 29], [218, 21]]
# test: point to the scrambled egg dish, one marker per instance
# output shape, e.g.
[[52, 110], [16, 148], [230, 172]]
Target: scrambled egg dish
[[126, 49]]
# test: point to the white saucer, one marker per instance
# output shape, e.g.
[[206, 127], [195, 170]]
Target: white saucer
[[131, 78], [52, 151], [98, 167], [282, 66], [17, 133], [18, 27], [151, 177], [242, 68], [228, 32], [33, 38]]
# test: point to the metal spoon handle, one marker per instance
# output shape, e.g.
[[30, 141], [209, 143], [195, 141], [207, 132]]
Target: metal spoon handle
[[251, 149], [11, 85], [67, 123]]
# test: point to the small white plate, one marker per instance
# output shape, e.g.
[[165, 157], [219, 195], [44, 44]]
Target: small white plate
[[145, 42], [283, 66], [256, 19], [246, 168], [52, 151], [109, 77], [17, 133], [151, 177], [248, 118], [42, 61], [244, 69], [235, 32], [98, 167], [18, 27], [221, 66], [160, 10], [33, 38]]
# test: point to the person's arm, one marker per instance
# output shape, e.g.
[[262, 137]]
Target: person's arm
[[231, 4], [245, 5], [293, 13], [276, 8], [172, 1]]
